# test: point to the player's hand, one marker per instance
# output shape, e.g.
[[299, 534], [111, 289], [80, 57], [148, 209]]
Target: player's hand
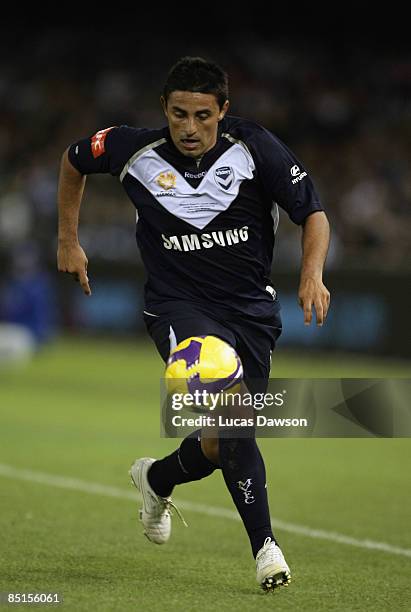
[[72, 259], [312, 292]]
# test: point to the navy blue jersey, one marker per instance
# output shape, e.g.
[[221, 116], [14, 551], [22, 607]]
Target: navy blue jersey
[[205, 228]]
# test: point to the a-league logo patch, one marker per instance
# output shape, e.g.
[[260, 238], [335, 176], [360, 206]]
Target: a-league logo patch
[[224, 177], [166, 180]]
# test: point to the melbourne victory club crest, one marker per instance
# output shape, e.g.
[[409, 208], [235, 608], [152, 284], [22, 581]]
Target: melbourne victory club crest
[[224, 177]]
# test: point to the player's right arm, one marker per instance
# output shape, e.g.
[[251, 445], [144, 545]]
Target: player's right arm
[[107, 151], [70, 256]]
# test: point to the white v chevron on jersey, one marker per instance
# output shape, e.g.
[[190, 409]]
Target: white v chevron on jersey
[[196, 206]]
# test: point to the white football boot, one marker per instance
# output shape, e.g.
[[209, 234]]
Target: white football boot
[[272, 569], [156, 511]]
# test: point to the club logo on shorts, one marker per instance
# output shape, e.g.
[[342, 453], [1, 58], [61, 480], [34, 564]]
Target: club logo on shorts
[[166, 180], [224, 177]]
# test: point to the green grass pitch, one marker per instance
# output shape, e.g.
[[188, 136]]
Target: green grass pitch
[[85, 410]]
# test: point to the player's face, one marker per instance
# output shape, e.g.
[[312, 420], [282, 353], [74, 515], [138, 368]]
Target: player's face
[[193, 120]]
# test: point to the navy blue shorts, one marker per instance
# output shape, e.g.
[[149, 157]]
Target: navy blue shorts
[[253, 339]]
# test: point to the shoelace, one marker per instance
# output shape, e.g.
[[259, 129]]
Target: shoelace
[[273, 551], [168, 503]]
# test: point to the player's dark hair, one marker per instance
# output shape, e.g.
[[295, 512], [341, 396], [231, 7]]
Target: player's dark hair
[[199, 75]]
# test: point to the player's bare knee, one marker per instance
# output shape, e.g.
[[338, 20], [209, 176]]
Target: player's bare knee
[[210, 448]]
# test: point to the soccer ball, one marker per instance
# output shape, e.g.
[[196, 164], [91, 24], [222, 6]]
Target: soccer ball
[[203, 363]]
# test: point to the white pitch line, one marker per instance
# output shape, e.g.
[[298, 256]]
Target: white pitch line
[[75, 484]]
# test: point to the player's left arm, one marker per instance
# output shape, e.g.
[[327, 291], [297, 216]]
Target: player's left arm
[[286, 182], [312, 291]]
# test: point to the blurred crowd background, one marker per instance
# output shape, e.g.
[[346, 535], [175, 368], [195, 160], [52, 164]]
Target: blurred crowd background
[[344, 110]]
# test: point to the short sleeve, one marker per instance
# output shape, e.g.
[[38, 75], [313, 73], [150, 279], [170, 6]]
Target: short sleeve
[[284, 178], [107, 151]]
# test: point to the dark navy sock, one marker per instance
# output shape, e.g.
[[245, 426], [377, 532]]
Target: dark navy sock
[[244, 474], [185, 464]]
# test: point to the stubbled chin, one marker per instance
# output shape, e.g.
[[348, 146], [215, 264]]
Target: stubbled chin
[[187, 153], [192, 154]]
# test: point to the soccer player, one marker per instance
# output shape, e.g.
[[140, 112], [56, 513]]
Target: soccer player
[[206, 189]]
